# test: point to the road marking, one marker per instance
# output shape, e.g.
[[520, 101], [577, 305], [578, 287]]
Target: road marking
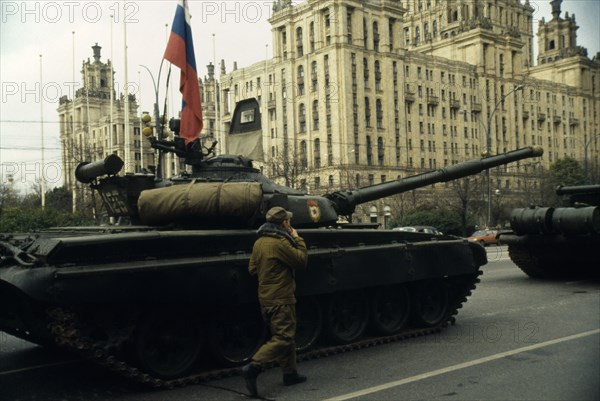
[[48, 365], [464, 365]]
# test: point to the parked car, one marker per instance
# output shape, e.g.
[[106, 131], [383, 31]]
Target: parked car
[[485, 237], [420, 229]]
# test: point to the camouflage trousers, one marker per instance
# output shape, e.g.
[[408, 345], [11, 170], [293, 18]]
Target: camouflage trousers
[[281, 348]]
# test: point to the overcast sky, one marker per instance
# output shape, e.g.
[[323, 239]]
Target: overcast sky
[[30, 28]]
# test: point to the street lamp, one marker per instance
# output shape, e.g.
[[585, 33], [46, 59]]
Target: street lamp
[[159, 123], [488, 149], [156, 107]]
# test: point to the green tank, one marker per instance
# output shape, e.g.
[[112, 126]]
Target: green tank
[[549, 242], [167, 297]]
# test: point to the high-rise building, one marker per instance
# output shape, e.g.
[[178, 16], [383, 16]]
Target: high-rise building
[[92, 125], [360, 92]]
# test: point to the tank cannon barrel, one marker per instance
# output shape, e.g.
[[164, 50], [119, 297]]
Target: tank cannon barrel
[[577, 189], [87, 172], [346, 201]]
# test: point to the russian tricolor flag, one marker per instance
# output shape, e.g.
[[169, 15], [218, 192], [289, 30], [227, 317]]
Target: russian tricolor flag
[[180, 51]]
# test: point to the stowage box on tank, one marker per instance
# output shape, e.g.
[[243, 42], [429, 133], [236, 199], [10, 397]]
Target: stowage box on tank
[[169, 295]]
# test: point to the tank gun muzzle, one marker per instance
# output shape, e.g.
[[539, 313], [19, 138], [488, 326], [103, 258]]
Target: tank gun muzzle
[[87, 172]]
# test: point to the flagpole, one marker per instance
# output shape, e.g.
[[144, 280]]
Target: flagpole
[[216, 94], [140, 107], [127, 145], [74, 186], [43, 180], [112, 89]]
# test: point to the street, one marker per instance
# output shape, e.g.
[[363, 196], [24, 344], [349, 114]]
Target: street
[[516, 338]]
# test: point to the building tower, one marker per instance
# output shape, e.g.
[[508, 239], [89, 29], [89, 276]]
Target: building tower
[[85, 121]]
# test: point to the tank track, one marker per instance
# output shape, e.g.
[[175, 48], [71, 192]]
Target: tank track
[[526, 261], [65, 326]]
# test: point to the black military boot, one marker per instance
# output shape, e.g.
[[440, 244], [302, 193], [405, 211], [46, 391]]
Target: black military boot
[[289, 379], [250, 373]]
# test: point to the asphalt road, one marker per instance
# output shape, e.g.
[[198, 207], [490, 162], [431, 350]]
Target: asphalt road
[[515, 339]]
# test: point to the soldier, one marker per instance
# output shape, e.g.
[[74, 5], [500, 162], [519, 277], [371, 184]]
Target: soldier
[[276, 255]]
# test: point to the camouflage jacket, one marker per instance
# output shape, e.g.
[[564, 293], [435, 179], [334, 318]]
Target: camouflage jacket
[[275, 258]]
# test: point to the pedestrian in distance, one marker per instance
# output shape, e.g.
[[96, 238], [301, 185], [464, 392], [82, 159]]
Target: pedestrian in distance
[[277, 254]]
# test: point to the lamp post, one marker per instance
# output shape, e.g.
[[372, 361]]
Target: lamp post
[[586, 145], [159, 126], [488, 149], [156, 108]]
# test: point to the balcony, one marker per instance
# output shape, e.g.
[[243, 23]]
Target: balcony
[[433, 100], [557, 119], [271, 104], [476, 107], [541, 117], [573, 121], [525, 114], [409, 96], [454, 104]]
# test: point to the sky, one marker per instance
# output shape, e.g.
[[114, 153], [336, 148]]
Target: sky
[[231, 30]]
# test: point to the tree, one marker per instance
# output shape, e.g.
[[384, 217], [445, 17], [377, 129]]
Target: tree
[[8, 197], [566, 171]]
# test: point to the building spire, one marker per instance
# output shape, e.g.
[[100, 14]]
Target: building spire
[[96, 49], [556, 8]]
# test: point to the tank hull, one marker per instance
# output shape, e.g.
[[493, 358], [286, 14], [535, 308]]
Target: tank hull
[[547, 256], [114, 281]]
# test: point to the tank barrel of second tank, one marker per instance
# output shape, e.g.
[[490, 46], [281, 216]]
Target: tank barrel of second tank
[[577, 189], [346, 201]]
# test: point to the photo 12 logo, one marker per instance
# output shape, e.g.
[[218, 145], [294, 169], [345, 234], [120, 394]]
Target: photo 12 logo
[[30, 172], [51, 92], [53, 12]]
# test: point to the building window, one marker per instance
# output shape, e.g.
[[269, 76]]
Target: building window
[[300, 80], [313, 75], [349, 26], [302, 117], [299, 45], [315, 114], [375, 36], [379, 113], [317, 153], [377, 75], [380, 151], [367, 113], [311, 38], [365, 33]]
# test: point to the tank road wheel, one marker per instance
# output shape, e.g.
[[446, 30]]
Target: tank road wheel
[[390, 309], [431, 302], [237, 334], [168, 343], [346, 316], [309, 323]]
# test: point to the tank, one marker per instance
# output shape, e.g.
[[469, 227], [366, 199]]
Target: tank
[[558, 242], [166, 298]]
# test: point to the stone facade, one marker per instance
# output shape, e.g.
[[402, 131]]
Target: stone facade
[[360, 92]]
